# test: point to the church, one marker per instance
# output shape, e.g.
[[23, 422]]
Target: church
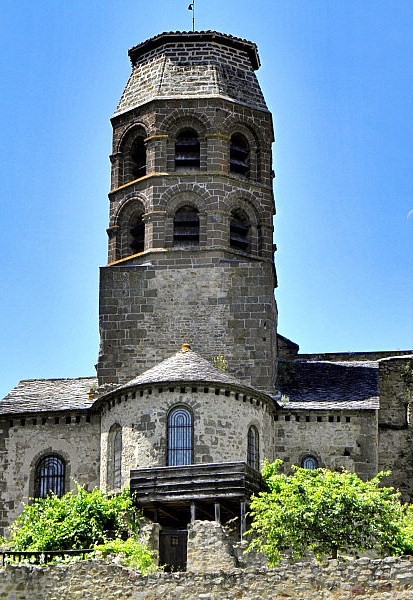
[[194, 387]]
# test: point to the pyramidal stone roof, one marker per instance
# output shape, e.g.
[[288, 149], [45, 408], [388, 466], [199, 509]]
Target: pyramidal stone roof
[[49, 395], [193, 65], [186, 366]]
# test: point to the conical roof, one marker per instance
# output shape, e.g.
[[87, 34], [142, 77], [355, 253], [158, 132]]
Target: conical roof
[[186, 366]]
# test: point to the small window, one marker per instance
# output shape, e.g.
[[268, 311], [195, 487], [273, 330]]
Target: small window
[[138, 158], [309, 462], [239, 234], [186, 227], [117, 459], [50, 476], [180, 437], [253, 449], [239, 155], [187, 151], [137, 232]]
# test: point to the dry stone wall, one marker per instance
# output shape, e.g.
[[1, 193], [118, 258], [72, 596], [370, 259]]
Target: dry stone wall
[[386, 579]]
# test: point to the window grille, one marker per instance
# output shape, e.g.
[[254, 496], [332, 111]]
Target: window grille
[[239, 155], [253, 451], [50, 476], [239, 234], [180, 437], [187, 151], [309, 462], [186, 227]]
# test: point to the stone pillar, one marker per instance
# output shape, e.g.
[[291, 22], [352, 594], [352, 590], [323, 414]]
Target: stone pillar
[[209, 548]]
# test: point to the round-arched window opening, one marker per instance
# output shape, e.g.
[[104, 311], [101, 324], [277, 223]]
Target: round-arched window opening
[[50, 476], [180, 437], [186, 227], [239, 231], [137, 232], [309, 462], [187, 150], [138, 158], [239, 155]]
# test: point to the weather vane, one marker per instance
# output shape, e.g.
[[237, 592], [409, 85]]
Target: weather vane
[[192, 7]]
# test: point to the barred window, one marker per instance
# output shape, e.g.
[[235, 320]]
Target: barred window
[[309, 462], [50, 476], [186, 227], [239, 232], [239, 155], [117, 459], [180, 437], [253, 450]]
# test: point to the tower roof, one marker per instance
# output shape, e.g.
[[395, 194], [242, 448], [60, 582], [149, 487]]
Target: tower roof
[[196, 36], [198, 64]]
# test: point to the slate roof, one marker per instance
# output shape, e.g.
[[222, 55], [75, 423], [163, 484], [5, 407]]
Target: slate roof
[[323, 385], [186, 366], [48, 395]]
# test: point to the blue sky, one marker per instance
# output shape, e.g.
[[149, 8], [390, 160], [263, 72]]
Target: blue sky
[[338, 77]]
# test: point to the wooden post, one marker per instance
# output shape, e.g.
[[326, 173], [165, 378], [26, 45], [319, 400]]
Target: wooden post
[[192, 507], [243, 525], [217, 507]]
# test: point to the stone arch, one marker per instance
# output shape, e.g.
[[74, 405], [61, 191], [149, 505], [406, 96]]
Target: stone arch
[[132, 154], [35, 462], [180, 121], [233, 126], [180, 196], [129, 225], [241, 208]]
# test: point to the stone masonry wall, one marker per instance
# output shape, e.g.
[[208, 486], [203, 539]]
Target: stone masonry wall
[[395, 424], [335, 438], [386, 579], [27, 439], [218, 307], [221, 424]]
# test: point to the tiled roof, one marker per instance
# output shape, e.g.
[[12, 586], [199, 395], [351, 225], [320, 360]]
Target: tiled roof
[[186, 366], [323, 384], [45, 395]]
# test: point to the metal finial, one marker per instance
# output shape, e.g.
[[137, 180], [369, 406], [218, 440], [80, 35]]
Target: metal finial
[[192, 7]]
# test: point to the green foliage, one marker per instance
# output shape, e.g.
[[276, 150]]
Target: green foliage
[[220, 362], [130, 553], [78, 520], [325, 512]]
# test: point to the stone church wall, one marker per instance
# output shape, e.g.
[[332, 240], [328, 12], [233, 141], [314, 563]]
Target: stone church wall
[[385, 579], [25, 440], [221, 423], [219, 307], [335, 438]]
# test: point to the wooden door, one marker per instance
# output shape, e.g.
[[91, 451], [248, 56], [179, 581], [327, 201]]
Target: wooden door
[[172, 549]]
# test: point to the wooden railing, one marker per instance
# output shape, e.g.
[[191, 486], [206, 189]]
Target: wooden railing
[[9, 556]]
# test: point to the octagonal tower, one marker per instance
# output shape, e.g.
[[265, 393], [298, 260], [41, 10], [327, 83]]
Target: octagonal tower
[[191, 212]]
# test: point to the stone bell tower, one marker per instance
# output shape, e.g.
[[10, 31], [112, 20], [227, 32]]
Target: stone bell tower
[[191, 211]]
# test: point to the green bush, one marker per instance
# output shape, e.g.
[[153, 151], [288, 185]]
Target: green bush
[[77, 520], [130, 553], [327, 512]]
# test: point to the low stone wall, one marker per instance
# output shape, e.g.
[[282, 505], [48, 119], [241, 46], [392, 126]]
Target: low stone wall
[[386, 579]]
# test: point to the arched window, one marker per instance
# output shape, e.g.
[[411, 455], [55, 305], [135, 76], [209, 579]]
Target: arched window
[[50, 476], [187, 150], [137, 232], [138, 158], [309, 462], [186, 227], [180, 437], [117, 459], [114, 465], [239, 231], [239, 155], [253, 448]]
